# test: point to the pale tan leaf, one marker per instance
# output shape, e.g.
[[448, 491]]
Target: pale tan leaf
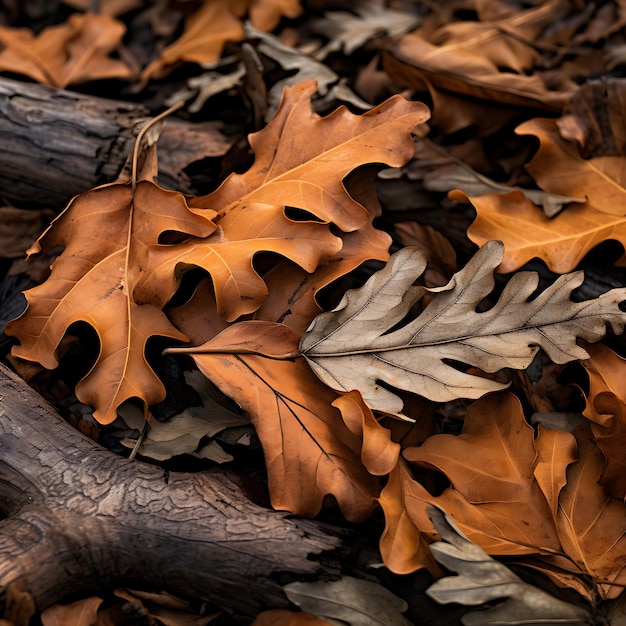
[[351, 600], [480, 580], [353, 347]]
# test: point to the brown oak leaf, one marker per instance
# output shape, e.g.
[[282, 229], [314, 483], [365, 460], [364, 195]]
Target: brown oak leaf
[[70, 53]]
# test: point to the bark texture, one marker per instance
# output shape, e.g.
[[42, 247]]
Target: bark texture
[[80, 517], [57, 143]]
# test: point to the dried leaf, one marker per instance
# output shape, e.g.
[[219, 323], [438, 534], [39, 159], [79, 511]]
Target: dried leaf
[[347, 32], [79, 613], [290, 170], [309, 452], [379, 454], [353, 601], [352, 347], [559, 168], [402, 546], [606, 408], [561, 241], [70, 53], [214, 24], [106, 235], [465, 57], [591, 524], [482, 580], [206, 32]]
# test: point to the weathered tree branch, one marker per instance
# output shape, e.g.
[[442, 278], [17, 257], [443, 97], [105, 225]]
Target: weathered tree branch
[[58, 143], [80, 517]]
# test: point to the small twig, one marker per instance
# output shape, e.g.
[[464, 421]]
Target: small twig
[[140, 439]]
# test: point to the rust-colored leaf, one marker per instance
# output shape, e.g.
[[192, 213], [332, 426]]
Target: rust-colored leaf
[[527, 233], [309, 452], [402, 546], [79, 613], [214, 24], [106, 234], [379, 454], [591, 524], [606, 408], [559, 168], [70, 53]]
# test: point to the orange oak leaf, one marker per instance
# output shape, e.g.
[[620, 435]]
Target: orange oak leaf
[[404, 549], [561, 241], [466, 58], [495, 499], [592, 524], [301, 161], [606, 409], [516, 494], [106, 234], [70, 53], [213, 25], [558, 167], [309, 451]]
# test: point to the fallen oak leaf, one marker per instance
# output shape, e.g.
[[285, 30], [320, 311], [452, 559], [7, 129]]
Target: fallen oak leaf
[[309, 452], [558, 167], [79, 613], [527, 233], [352, 346], [290, 170], [606, 410], [70, 53], [105, 234], [481, 580], [351, 600]]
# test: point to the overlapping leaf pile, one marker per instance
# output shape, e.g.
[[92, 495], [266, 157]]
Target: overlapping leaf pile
[[343, 401]]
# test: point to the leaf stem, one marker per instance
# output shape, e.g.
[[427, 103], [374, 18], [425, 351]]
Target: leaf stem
[[147, 126]]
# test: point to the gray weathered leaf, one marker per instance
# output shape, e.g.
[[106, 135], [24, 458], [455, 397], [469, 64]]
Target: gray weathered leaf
[[352, 601], [349, 31], [358, 345], [481, 580]]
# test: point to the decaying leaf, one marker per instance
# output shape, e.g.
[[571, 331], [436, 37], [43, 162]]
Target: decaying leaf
[[481, 580], [79, 613], [350, 31], [351, 600], [606, 410], [559, 168], [525, 230], [106, 235], [70, 53], [356, 345]]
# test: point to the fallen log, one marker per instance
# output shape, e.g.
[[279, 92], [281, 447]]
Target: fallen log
[[79, 517], [58, 143]]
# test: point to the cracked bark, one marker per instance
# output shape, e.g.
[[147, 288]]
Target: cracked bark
[[81, 518]]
